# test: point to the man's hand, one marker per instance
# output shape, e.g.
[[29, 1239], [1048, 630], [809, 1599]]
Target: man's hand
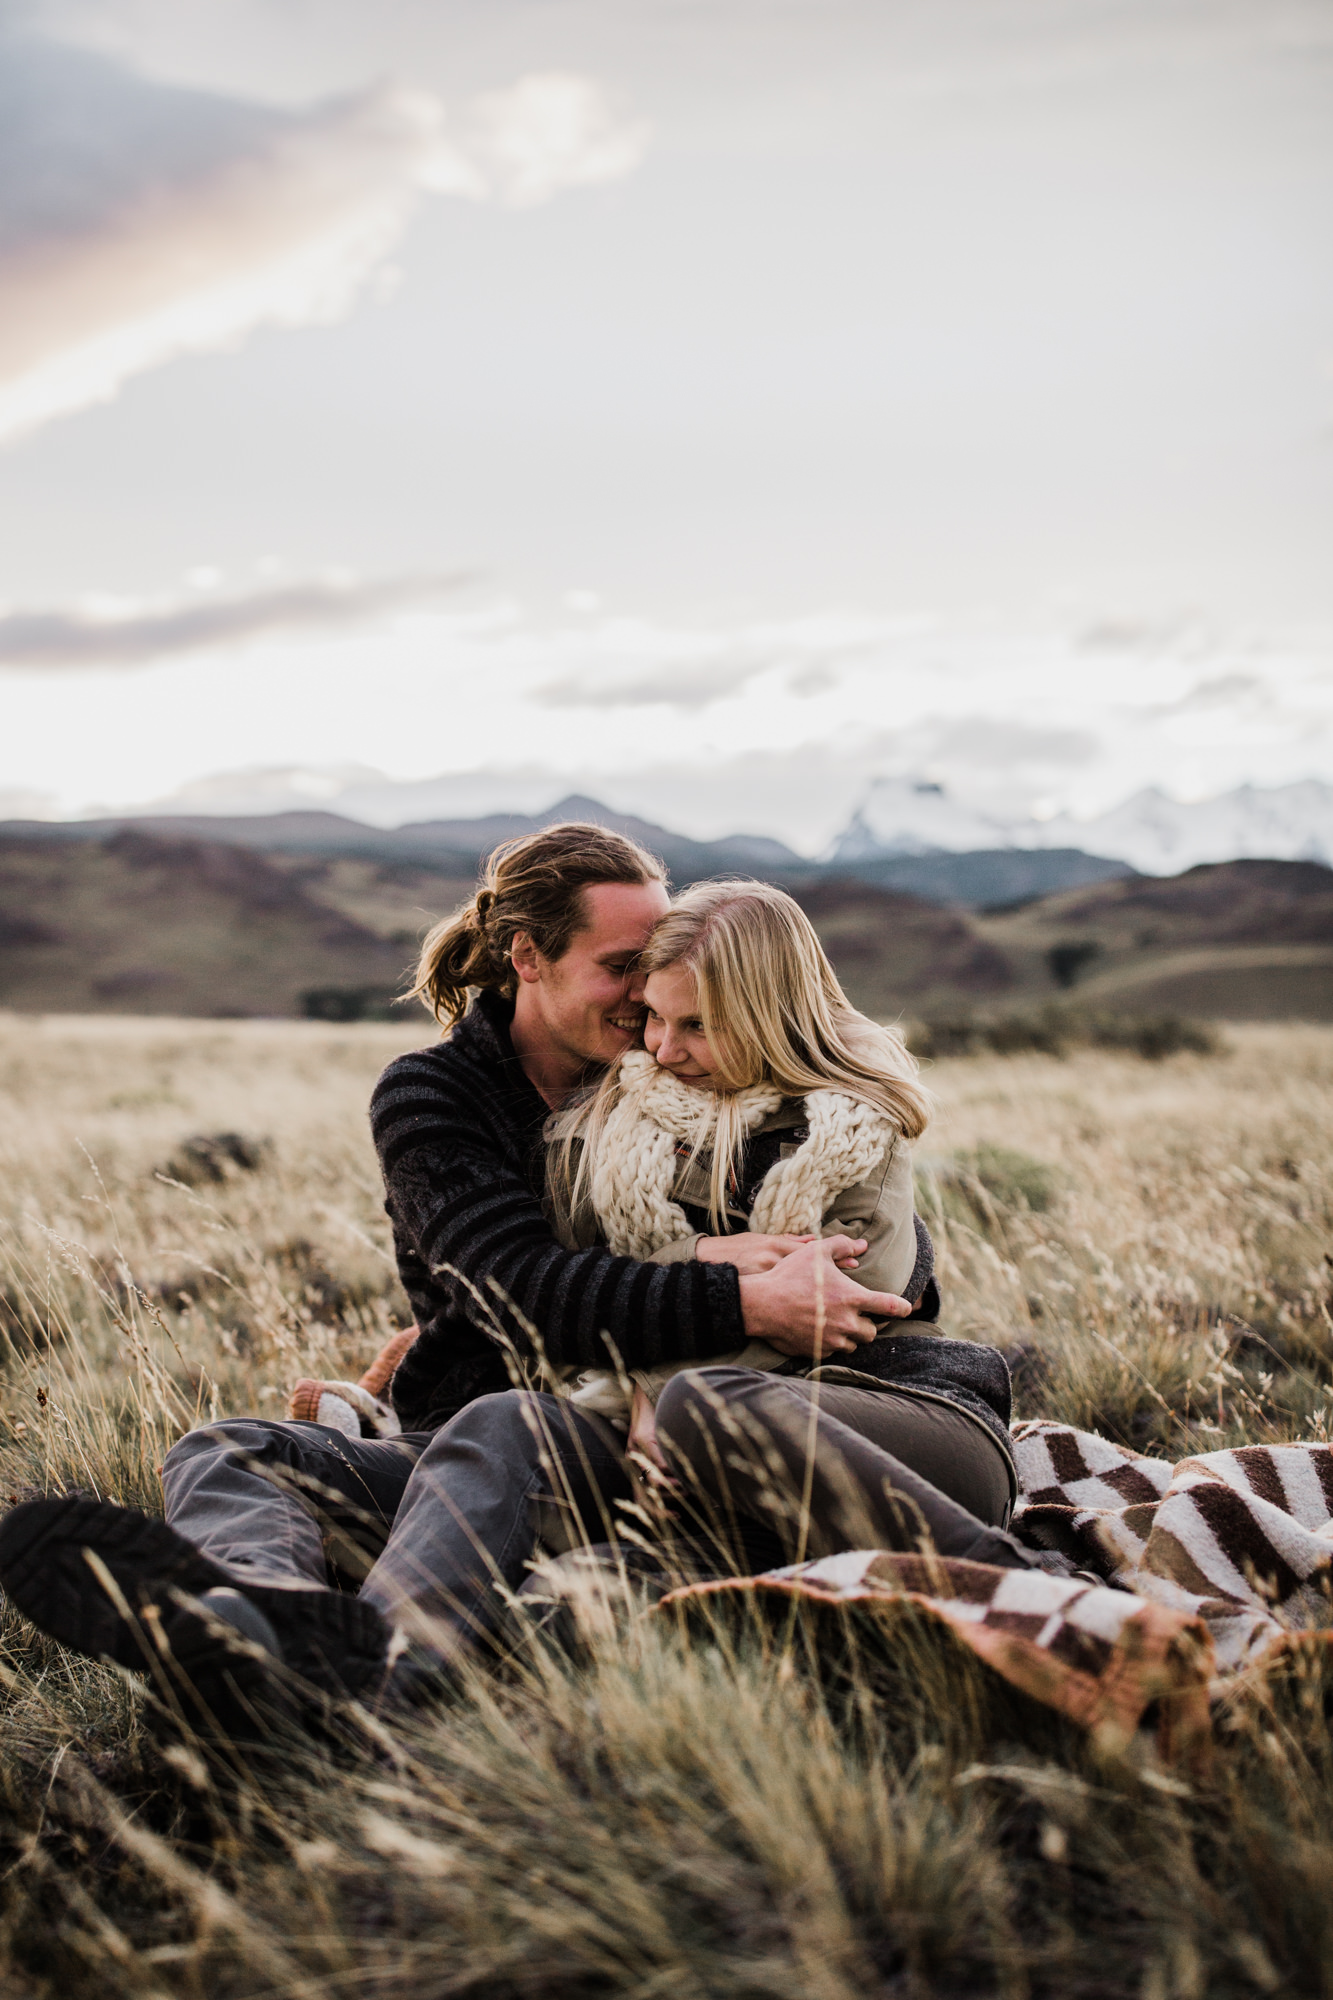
[[643, 1430], [805, 1307], [749, 1253]]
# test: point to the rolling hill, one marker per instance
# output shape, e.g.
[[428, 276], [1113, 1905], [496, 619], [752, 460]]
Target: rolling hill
[[134, 924], [139, 921], [1240, 940], [893, 951]]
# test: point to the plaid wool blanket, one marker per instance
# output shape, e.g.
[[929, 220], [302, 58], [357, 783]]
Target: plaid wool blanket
[[1189, 1574]]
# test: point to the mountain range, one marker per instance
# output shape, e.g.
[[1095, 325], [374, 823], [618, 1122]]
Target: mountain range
[[1153, 833], [426, 842], [905, 833], [455, 847]]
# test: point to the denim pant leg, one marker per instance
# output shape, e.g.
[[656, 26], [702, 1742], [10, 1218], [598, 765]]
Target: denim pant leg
[[284, 1502], [750, 1446], [485, 1488]]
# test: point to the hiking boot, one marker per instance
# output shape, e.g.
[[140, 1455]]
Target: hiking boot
[[415, 1683], [217, 1669], [113, 1583]]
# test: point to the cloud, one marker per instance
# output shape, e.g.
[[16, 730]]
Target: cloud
[[989, 743], [551, 132], [262, 789], [691, 671], [1127, 634], [356, 791], [136, 635], [140, 221], [1223, 691], [668, 686], [22, 802]]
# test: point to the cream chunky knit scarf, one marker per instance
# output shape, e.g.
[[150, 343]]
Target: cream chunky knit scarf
[[635, 1169]]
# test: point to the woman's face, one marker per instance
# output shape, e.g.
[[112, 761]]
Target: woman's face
[[673, 1032]]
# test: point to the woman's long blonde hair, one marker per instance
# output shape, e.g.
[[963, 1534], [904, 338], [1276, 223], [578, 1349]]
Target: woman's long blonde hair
[[773, 1012]]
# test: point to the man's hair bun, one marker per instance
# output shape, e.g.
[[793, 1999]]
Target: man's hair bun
[[532, 885]]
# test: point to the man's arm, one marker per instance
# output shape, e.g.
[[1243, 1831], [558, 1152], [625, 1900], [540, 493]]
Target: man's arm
[[480, 1231]]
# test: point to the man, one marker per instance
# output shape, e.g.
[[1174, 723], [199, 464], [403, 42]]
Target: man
[[536, 982]]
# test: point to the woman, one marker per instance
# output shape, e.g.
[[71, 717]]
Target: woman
[[762, 1111]]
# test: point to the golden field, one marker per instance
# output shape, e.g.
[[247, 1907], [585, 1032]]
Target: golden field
[[1152, 1243]]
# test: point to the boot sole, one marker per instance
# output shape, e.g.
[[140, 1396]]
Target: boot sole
[[334, 1641]]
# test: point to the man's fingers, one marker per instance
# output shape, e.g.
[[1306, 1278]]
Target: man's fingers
[[887, 1304]]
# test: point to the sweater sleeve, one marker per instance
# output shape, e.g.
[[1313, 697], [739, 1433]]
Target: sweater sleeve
[[679, 1250], [475, 1224]]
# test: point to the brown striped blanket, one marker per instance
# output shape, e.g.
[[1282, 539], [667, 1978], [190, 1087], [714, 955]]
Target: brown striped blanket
[[1189, 1574], [1240, 1539]]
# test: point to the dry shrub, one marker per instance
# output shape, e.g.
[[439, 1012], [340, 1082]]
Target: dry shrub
[[1057, 1028]]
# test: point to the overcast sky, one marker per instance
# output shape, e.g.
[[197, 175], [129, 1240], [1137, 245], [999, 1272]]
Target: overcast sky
[[706, 403]]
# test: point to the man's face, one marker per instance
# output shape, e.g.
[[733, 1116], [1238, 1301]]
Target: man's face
[[590, 999]]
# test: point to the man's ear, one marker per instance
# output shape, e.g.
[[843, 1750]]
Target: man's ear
[[525, 958]]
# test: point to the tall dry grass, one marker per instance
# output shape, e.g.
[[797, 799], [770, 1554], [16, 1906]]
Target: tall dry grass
[[825, 1810]]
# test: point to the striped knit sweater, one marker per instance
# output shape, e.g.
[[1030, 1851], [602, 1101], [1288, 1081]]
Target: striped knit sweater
[[458, 1129]]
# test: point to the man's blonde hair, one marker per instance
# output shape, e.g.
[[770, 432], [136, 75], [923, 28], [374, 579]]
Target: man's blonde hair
[[773, 1012]]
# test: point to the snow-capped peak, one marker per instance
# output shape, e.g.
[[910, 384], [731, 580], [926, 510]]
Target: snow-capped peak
[[1155, 833], [911, 816]]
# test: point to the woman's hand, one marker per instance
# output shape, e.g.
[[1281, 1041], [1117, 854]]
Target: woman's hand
[[751, 1254], [643, 1430]]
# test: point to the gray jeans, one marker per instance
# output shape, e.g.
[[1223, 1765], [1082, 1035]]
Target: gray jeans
[[812, 1468], [437, 1531]]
